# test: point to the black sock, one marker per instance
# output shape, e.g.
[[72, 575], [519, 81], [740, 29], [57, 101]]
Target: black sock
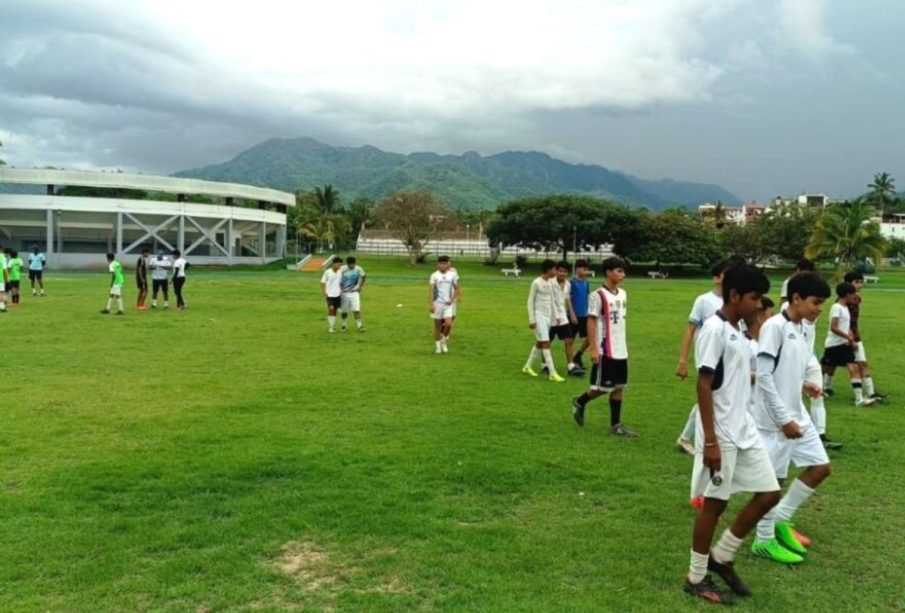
[[578, 356], [615, 411], [584, 399]]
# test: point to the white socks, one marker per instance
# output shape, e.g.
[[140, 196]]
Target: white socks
[[818, 414], [796, 496], [359, 324], [119, 304], [109, 303], [532, 357], [857, 389], [331, 321], [688, 432], [726, 548], [548, 360], [698, 567], [766, 527], [827, 382], [868, 386]]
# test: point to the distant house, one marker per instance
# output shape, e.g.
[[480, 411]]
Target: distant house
[[739, 215]]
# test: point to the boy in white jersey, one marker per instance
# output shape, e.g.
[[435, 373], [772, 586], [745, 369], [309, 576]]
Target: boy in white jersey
[[160, 265], [564, 314], [541, 317], [803, 265], [442, 293], [609, 352], [353, 278], [330, 288], [703, 308], [729, 454], [788, 433], [840, 344]]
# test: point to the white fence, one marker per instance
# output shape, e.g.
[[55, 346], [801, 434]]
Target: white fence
[[466, 248]]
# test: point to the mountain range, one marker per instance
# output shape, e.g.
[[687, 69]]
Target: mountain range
[[469, 181]]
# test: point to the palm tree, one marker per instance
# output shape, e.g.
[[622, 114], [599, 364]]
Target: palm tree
[[847, 233], [882, 191], [326, 229], [327, 199]]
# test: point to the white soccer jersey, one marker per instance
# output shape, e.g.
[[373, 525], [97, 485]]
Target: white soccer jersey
[[844, 324], [562, 293], [179, 267], [331, 280], [159, 266], [724, 351], [444, 286], [704, 307], [780, 376], [542, 300], [610, 310]]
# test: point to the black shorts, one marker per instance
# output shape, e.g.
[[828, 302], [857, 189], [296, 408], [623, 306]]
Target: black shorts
[[609, 374], [562, 332], [14, 284], [581, 328], [840, 355], [160, 284], [335, 302], [141, 284], [35, 274]]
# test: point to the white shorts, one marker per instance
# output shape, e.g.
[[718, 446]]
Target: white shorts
[[116, 290], [541, 328], [803, 452], [741, 470], [443, 311], [2, 286], [351, 302], [860, 354]]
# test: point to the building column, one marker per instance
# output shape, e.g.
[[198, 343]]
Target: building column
[[281, 241], [229, 242], [180, 239], [262, 241], [119, 233], [48, 249]]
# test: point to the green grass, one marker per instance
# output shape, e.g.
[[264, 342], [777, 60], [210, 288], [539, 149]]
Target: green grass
[[236, 457]]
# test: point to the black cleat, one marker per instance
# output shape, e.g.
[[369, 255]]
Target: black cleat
[[881, 398], [707, 590], [829, 392], [577, 411], [622, 431], [830, 445], [105, 311], [579, 363], [727, 573]]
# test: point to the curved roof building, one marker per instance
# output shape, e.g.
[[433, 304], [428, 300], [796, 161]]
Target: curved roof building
[[100, 212]]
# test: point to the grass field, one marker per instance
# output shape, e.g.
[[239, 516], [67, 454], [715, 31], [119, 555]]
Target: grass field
[[236, 457]]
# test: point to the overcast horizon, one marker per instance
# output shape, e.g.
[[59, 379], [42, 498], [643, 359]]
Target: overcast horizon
[[776, 97]]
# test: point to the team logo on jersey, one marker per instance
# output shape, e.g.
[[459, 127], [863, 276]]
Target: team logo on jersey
[[792, 335], [733, 337]]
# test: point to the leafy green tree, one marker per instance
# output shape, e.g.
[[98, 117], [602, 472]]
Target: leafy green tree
[[414, 217], [674, 238], [360, 214], [785, 230], [847, 234], [327, 199], [327, 229], [562, 222], [882, 193], [745, 241]]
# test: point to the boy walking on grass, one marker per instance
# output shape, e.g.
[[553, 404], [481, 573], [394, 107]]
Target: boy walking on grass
[[442, 293], [330, 288], [116, 285], [785, 427], [579, 289], [541, 316], [36, 264], [15, 274], [609, 351], [4, 280], [729, 454], [840, 344], [564, 313], [352, 279]]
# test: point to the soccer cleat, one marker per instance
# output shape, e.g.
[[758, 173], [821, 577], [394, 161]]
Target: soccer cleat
[[866, 402], [829, 445], [685, 445], [786, 537], [802, 538], [443, 347], [620, 430], [727, 573], [881, 398], [576, 371], [331, 330], [105, 311], [772, 550], [529, 371], [120, 313], [829, 392], [707, 590], [577, 411], [544, 370], [361, 329], [555, 378], [578, 362]]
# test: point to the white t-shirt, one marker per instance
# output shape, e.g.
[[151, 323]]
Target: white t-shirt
[[610, 310], [781, 375], [542, 300], [844, 324], [704, 307], [724, 351], [331, 279], [159, 266], [179, 267], [562, 292], [444, 286]]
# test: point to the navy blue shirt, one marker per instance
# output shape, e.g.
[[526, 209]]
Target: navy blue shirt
[[578, 294]]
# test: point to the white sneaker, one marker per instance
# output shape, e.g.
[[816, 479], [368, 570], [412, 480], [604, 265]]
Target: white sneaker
[[867, 402], [685, 445], [439, 350], [331, 330], [443, 347]]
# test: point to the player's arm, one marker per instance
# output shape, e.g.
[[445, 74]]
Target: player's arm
[[430, 296], [593, 347], [361, 282], [813, 372], [776, 408], [457, 291], [712, 457], [687, 337], [532, 295]]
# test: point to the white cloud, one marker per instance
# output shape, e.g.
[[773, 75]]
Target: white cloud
[[803, 27]]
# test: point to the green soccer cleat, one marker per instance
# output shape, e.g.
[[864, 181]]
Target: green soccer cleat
[[772, 550], [786, 537], [529, 371], [555, 378]]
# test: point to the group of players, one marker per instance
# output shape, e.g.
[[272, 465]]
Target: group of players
[[341, 285], [160, 265], [11, 274]]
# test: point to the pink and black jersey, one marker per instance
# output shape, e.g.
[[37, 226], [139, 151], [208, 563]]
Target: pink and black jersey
[[609, 308]]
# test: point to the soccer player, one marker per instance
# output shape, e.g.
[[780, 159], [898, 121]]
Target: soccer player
[[609, 352], [36, 265], [352, 280], [443, 292], [854, 309], [4, 280], [803, 265], [160, 265], [15, 264], [330, 288], [141, 279], [703, 308], [839, 347], [541, 315], [116, 285], [179, 266], [579, 288], [787, 431], [729, 454], [564, 313]]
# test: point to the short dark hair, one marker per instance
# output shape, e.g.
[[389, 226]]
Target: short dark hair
[[612, 263], [562, 264], [853, 276], [766, 302], [808, 284], [845, 289], [744, 279], [582, 263], [177, 253], [350, 260], [336, 260], [111, 257], [547, 265], [14, 253], [719, 268], [804, 264], [443, 258], [145, 250]]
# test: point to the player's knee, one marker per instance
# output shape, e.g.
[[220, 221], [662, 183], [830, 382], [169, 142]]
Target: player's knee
[[768, 500], [823, 471]]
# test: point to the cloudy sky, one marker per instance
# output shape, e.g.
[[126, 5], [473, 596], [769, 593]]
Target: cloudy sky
[[764, 97]]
